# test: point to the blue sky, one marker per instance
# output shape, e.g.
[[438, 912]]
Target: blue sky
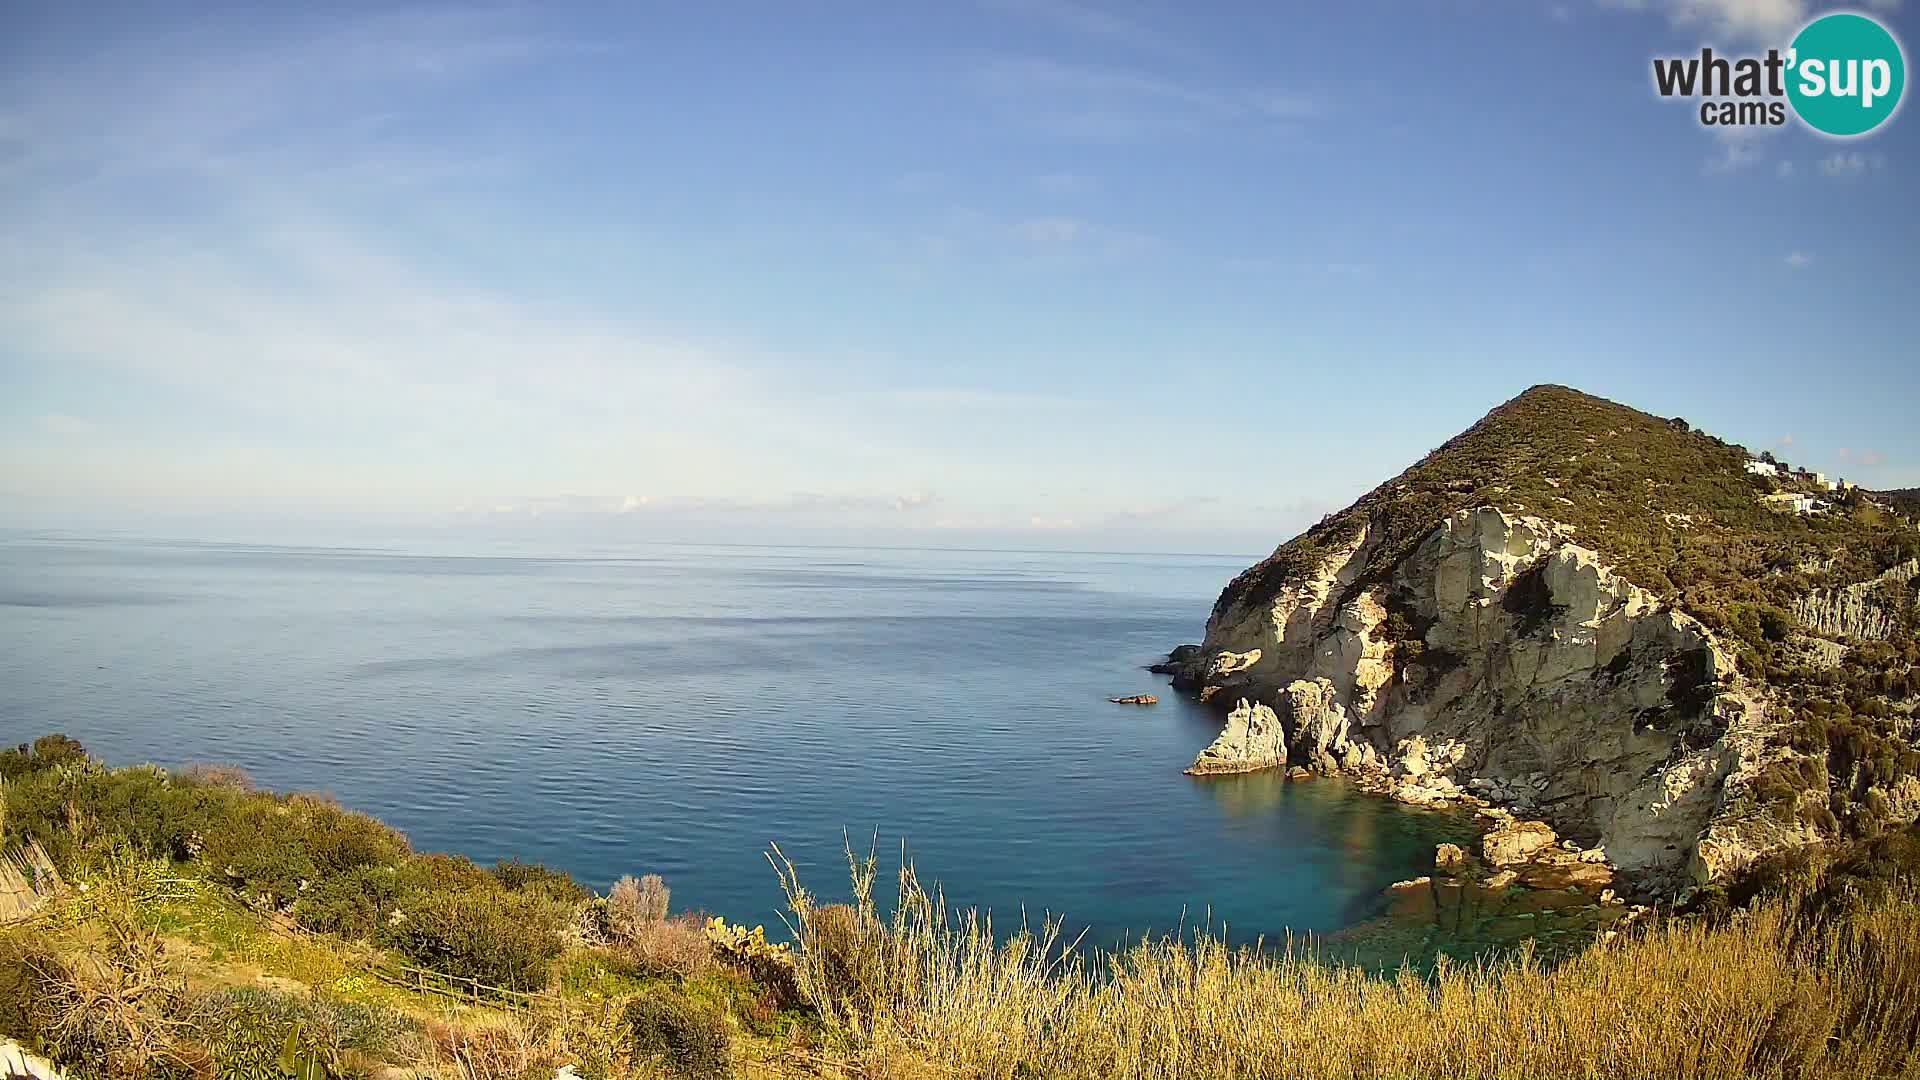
[[1035, 271]]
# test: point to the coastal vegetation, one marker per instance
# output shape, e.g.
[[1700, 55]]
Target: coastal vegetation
[[230, 932]]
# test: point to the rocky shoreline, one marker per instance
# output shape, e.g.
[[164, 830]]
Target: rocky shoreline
[[1515, 847]]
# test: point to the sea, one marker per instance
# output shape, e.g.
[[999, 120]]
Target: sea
[[681, 708]]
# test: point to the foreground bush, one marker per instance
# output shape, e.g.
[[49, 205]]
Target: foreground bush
[[501, 938], [116, 1012], [680, 1035], [1774, 992], [247, 1032]]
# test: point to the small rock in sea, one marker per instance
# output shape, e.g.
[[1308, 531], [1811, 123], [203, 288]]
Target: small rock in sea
[[1136, 699], [1446, 855], [1502, 879]]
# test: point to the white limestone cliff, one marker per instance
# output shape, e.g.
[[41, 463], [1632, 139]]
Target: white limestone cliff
[[1498, 658]]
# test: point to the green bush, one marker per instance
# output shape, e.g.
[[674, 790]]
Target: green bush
[[353, 905], [683, 1036], [261, 849], [439, 873], [341, 841], [246, 1030], [46, 752], [501, 938], [534, 878]]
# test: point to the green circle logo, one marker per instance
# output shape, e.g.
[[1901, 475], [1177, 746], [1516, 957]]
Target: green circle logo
[[1847, 73]]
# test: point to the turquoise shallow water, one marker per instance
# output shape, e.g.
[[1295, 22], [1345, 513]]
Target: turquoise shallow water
[[674, 709]]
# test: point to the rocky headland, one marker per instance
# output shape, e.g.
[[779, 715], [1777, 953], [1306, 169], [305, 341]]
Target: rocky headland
[[1464, 636]]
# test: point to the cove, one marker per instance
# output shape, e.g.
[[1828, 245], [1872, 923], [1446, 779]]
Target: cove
[[630, 708]]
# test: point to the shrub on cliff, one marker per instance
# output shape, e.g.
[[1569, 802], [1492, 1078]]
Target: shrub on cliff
[[439, 872], [354, 904], [248, 1029], [46, 752], [680, 1035], [556, 885], [635, 902], [501, 938], [674, 947]]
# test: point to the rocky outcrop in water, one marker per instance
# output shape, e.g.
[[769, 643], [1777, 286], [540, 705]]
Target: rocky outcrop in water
[[1252, 739]]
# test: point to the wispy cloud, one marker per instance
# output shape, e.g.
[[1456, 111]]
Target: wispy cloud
[[1798, 260], [1864, 458], [1040, 241], [1849, 164], [283, 343], [60, 424], [1733, 20], [1064, 183], [1736, 149], [804, 503], [1166, 508], [1118, 103], [1101, 24]]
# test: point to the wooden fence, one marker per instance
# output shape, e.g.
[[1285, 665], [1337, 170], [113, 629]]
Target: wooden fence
[[426, 981], [27, 881]]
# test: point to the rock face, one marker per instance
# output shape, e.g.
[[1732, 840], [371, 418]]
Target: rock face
[[1514, 842], [1499, 658], [1253, 739], [1860, 611]]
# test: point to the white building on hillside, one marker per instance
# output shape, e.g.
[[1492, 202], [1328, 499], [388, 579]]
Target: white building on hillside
[[1762, 468]]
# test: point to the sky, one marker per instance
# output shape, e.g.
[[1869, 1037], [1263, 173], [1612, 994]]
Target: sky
[[1059, 273]]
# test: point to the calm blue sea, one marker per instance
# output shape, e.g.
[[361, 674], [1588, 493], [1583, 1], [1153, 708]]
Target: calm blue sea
[[676, 708]]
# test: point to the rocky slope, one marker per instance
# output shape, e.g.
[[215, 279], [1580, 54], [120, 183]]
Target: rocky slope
[[1502, 625]]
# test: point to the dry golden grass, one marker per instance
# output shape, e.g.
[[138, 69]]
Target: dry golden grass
[[1769, 994]]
